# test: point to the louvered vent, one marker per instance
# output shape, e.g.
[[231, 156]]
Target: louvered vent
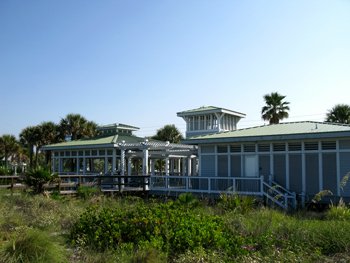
[[311, 146], [329, 145], [235, 148], [292, 147], [248, 148], [279, 147], [263, 147]]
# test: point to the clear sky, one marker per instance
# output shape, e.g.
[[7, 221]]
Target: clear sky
[[140, 62]]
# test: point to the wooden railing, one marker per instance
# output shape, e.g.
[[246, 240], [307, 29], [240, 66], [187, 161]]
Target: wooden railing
[[215, 185], [69, 183]]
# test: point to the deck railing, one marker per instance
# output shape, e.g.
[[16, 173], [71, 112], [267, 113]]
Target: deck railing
[[215, 185]]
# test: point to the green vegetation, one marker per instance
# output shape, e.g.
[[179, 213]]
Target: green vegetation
[[34, 228], [38, 177]]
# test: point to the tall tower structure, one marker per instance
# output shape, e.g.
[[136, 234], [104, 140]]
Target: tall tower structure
[[209, 120]]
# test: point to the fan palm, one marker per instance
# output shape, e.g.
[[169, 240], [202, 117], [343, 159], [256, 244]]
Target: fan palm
[[30, 138], [275, 109], [77, 126], [340, 113], [168, 133], [9, 146]]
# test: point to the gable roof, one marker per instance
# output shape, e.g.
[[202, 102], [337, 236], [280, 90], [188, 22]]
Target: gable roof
[[282, 131], [209, 109]]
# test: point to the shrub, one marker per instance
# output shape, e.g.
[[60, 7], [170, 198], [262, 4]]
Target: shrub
[[86, 192], [38, 177], [32, 246], [167, 227], [237, 203], [4, 171], [338, 212]]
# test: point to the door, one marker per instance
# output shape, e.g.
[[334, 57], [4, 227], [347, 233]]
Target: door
[[250, 166]]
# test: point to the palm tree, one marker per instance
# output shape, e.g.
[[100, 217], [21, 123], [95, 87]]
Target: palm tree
[[340, 113], [77, 126], [30, 138], [275, 109], [9, 146], [168, 133], [48, 135]]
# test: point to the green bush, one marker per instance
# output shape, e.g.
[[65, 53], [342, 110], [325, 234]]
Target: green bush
[[237, 203], [38, 177], [4, 171], [32, 246], [86, 192], [338, 212], [167, 227]]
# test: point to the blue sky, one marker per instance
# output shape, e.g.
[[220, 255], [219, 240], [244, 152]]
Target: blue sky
[[140, 62]]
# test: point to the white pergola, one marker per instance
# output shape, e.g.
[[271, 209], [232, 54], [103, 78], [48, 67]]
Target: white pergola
[[118, 158]]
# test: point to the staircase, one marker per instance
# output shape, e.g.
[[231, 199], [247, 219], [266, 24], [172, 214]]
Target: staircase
[[278, 195]]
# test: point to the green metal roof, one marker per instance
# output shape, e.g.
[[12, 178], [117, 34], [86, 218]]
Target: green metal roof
[[108, 141], [118, 125], [209, 109], [305, 128]]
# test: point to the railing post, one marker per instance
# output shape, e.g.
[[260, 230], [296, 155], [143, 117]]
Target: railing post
[[233, 185], [285, 201], [119, 181], [294, 201], [270, 179], [209, 185], [302, 195], [262, 185], [186, 183]]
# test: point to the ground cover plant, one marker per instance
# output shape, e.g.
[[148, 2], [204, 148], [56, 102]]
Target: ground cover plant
[[97, 228]]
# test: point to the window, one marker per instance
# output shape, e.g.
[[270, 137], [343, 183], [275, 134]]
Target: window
[[295, 146], [329, 145], [264, 147], [222, 149], [249, 148], [279, 147], [235, 148], [311, 146]]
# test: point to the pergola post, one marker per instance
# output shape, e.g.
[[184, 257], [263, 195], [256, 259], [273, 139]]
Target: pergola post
[[189, 166], [145, 169], [129, 166], [84, 164], [184, 167], [152, 165], [114, 161], [167, 166]]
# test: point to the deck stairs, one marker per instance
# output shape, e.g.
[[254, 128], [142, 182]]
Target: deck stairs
[[277, 195]]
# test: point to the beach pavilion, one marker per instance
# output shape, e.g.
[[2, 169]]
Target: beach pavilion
[[117, 151]]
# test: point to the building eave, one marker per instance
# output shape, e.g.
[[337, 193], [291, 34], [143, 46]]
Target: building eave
[[285, 137]]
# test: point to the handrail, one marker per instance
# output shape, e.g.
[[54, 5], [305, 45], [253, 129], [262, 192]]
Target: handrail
[[282, 188]]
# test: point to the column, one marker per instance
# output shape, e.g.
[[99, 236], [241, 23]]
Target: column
[[152, 164], [145, 162], [77, 165], [167, 166], [189, 166], [129, 166], [184, 167], [114, 161], [145, 167], [122, 161]]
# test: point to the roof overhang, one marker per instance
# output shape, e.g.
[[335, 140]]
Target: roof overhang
[[285, 137]]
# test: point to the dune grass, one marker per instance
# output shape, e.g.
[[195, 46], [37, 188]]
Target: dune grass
[[37, 228]]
